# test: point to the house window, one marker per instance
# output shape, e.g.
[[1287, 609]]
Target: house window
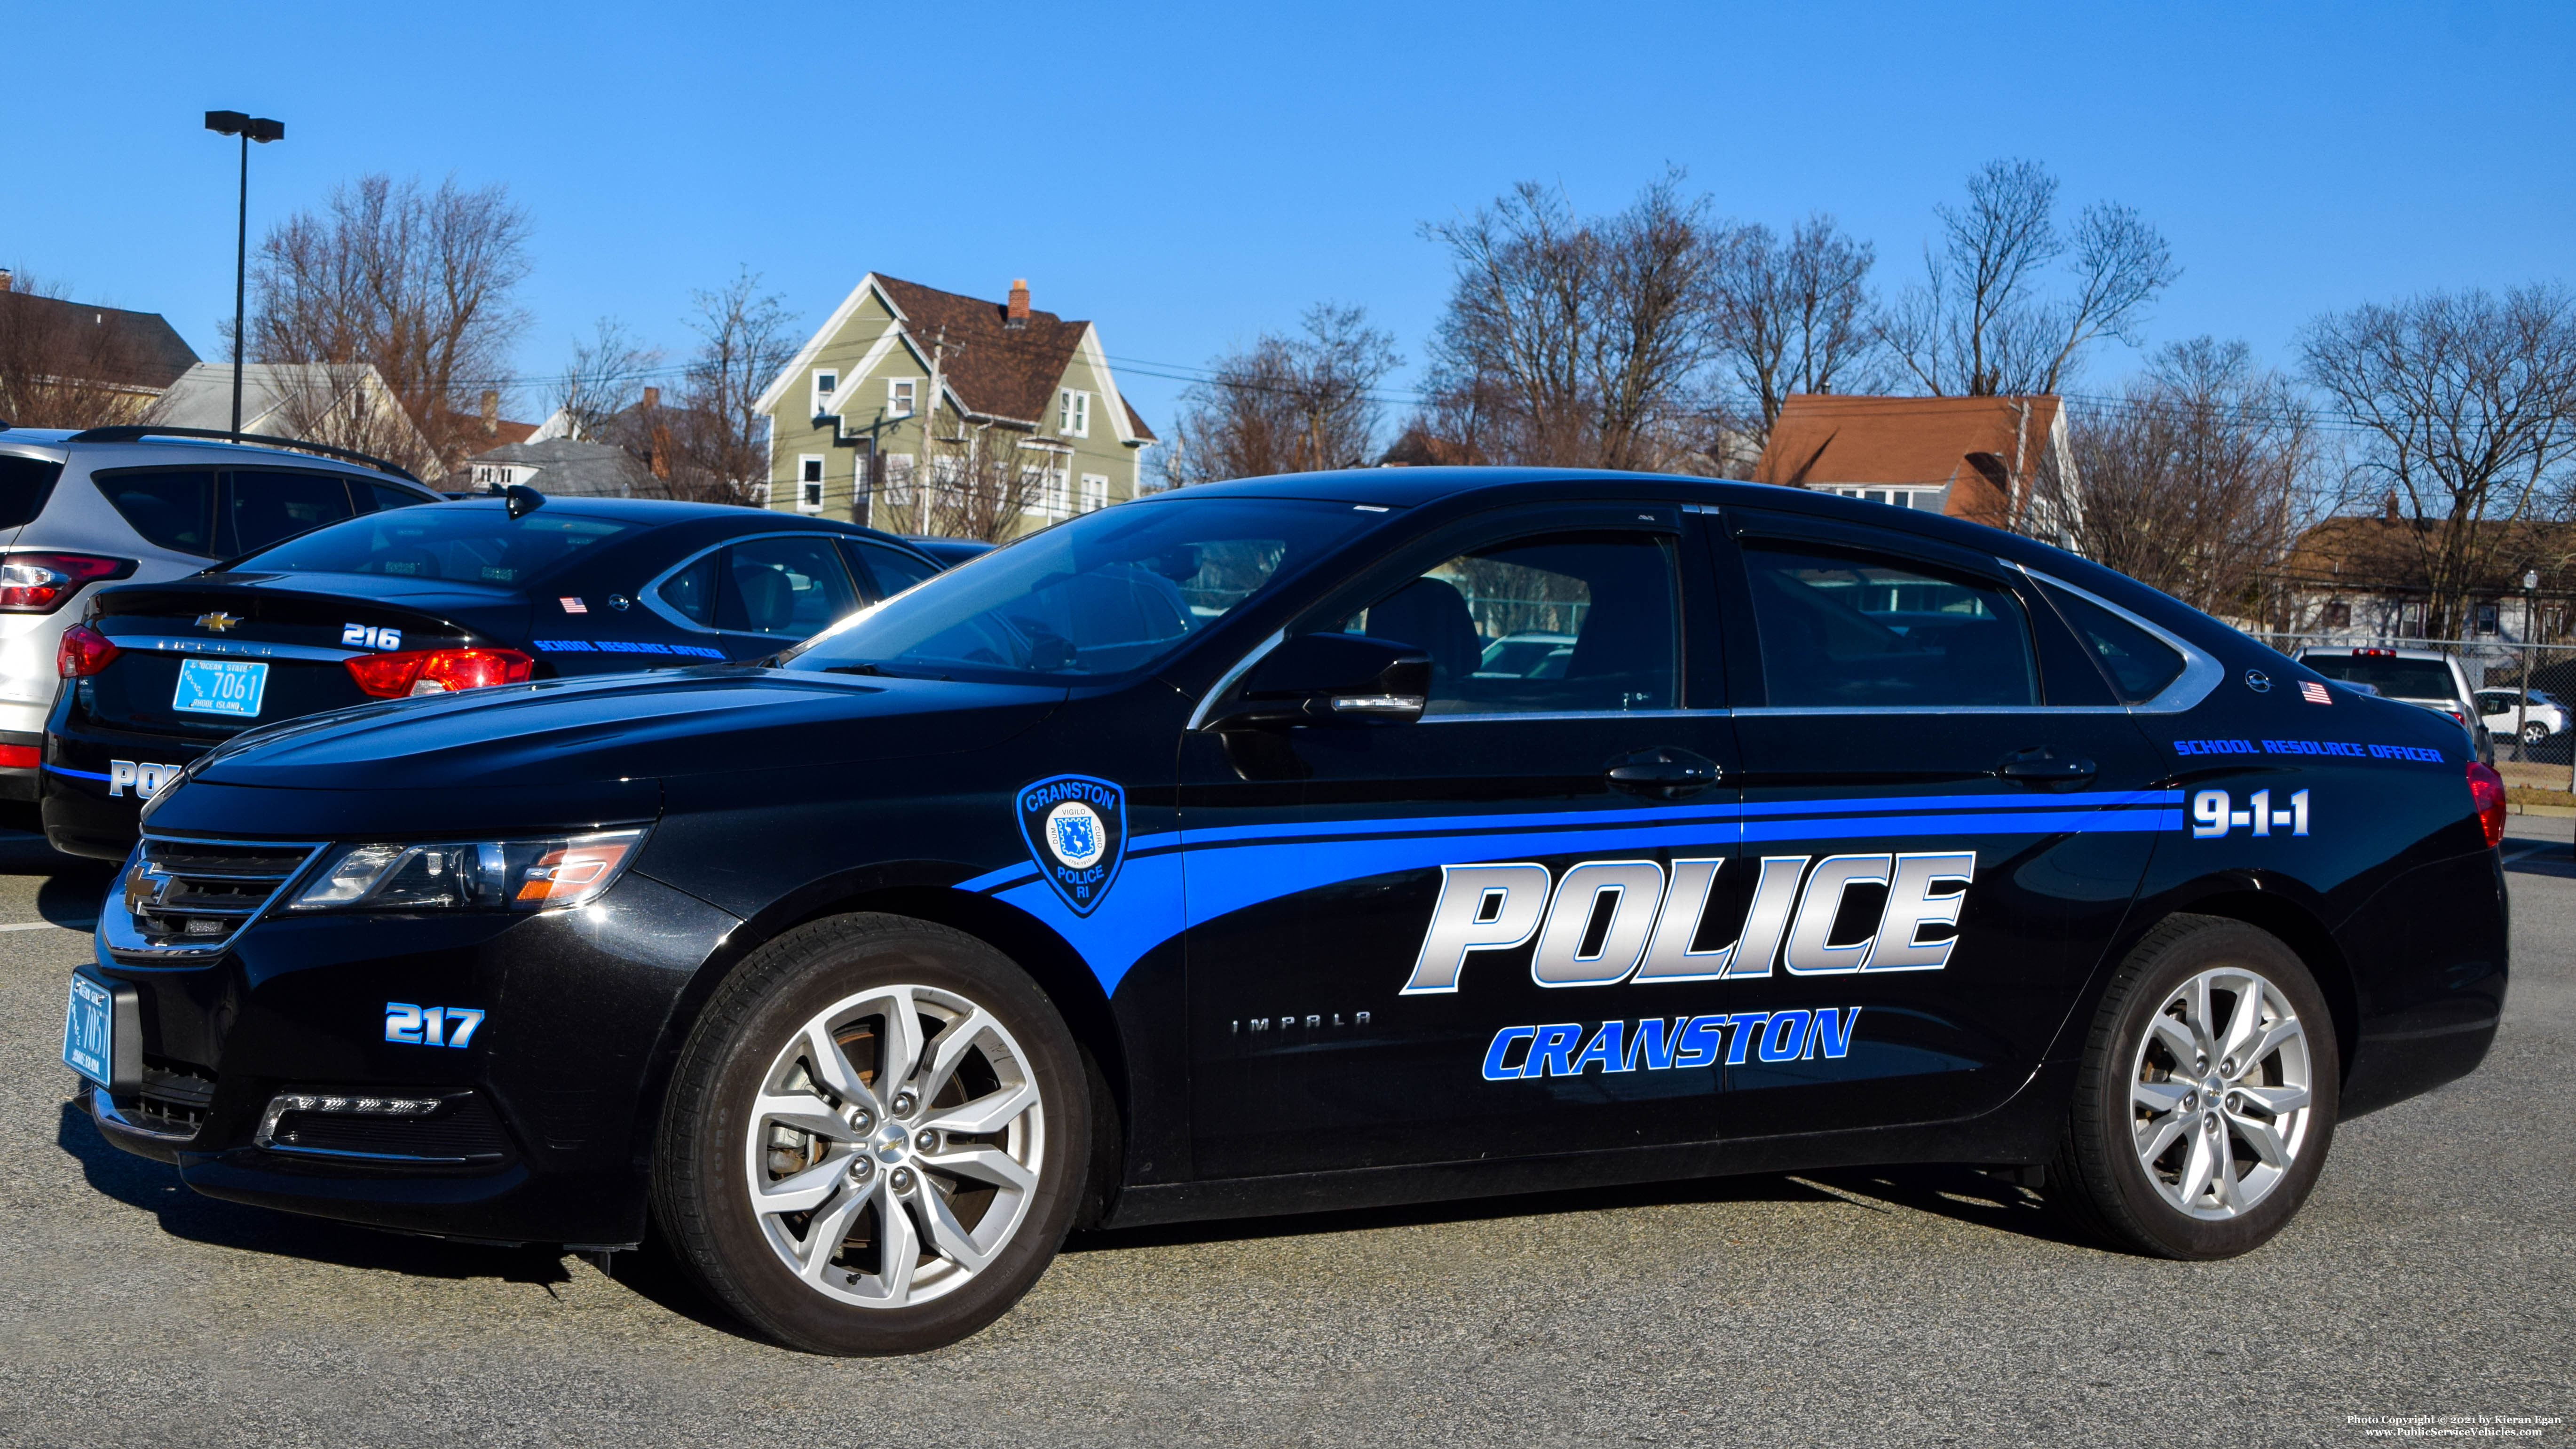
[[1927, 499], [899, 397], [2337, 615], [1095, 491], [1073, 415], [898, 480], [809, 484], [2410, 619], [826, 381], [2487, 622]]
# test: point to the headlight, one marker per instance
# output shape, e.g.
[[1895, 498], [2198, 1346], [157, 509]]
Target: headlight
[[490, 875]]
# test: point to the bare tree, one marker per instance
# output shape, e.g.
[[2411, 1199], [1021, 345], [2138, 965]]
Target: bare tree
[[1579, 341], [1288, 404], [2466, 403], [2196, 480], [982, 481], [719, 441], [63, 365], [347, 405], [415, 283], [1984, 323], [1795, 316], [605, 377]]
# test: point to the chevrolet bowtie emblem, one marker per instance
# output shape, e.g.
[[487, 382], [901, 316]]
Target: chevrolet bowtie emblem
[[218, 621]]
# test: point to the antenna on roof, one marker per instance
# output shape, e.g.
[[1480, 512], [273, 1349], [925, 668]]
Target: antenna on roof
[[521, 499]]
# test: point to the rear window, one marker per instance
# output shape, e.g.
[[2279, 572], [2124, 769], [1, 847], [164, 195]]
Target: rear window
[[467, 543], [2396, 678], [2139, 664], [25, 484]]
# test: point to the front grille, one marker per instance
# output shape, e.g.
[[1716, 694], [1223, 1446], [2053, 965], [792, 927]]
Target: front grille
[[191, 897], [453, 1129], [173, 1100]]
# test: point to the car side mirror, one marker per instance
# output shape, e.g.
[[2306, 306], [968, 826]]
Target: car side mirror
[[1330, 679]]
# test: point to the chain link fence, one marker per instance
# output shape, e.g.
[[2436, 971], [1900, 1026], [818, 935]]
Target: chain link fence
[[2497, 670]]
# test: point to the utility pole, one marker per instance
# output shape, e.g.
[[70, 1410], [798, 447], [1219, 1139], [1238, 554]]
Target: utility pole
[[2522, 701], [923, 475]]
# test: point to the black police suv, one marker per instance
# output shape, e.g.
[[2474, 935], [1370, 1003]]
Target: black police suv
[[453, 596], [1212, 854]]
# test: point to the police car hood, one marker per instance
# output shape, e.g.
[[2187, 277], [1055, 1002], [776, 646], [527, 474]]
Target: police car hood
[[570, 750]]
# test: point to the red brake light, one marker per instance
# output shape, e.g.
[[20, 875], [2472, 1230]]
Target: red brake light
[[437, 671], [84, 652], [38, 583], [19, 757], [2374, 654], [2486, 798]]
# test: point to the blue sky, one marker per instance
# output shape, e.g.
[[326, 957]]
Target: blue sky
[[1190, 175]]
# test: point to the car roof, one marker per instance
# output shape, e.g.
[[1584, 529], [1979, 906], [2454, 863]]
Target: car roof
[[63, 443]]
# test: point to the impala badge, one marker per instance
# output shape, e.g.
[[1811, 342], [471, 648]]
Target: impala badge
[[218, 622]]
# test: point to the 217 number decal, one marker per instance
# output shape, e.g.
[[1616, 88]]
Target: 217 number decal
[[2214, 813], [449, 1026]]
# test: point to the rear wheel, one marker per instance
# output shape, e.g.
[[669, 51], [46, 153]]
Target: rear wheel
[[2534, 732], [2206, 1099], [876, 1137]]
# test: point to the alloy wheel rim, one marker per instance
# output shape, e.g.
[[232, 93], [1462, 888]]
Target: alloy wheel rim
[[2221, 1093], [894, 1146]]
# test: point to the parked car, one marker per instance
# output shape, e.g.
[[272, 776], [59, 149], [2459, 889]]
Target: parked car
[[79, 510], [2426, 677], [448, 596], [1181, 861], [2531, 718], [1528, 656]]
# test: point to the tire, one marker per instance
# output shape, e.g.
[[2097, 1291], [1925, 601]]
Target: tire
[[2135, 1165], [874, 1239], [2534, 733]]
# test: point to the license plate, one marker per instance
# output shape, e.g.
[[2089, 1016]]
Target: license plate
[[89, 1032], [221, 686]]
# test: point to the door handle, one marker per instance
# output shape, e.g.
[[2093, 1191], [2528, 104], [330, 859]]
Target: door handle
[[1663, 772], [2045, 766]]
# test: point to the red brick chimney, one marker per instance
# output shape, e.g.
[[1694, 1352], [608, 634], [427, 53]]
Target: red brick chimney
[[652, 397], [6, 280], [1017, 314], [491, 412]]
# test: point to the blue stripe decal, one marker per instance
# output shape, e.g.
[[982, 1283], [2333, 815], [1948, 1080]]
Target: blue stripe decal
[[76, 774], [1155, 902]]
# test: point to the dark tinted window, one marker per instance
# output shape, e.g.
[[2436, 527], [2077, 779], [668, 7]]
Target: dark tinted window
[[25, 484], [376, 497], [1559, 623], [692, 591], [1853, 630], [468, 542], [892, 570], [261, 507], [174, 509], [2138, 663], [788, 588], [2396, 678]]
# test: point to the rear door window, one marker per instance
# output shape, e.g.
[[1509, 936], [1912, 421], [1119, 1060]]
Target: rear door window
[[260, 507], [377, 497], [692, 591], [172, 508], [2138, 663], [786, 588], [891, 570], [1848, 629]]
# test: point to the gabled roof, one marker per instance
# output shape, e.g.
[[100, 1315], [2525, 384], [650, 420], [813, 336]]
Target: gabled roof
[[1828, 438], [991, 368], [137, 349], [567, 466]]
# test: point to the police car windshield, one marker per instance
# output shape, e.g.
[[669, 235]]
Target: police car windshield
[[475, 545], [1106, 593]]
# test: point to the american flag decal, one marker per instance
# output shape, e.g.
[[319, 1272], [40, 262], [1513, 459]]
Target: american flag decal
[[573, 606], [2313, 692]]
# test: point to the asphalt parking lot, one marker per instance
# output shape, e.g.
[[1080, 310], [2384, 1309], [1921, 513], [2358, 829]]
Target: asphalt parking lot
[[2434, 1272]]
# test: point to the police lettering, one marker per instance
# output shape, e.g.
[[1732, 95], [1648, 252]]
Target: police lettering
[[1609, 921]]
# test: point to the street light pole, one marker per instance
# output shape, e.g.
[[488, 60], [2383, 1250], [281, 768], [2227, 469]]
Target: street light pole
[[262, 130], [2522, 702]]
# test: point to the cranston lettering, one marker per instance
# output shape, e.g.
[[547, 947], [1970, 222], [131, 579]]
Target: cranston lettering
[[1610, 921], [1055, 792], [1684, 1043]]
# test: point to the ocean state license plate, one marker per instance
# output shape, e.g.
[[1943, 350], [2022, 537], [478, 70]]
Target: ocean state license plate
[[89, 1032], [221, 686]]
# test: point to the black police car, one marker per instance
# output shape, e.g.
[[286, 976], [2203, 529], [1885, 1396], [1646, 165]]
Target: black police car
[[1201, 856], [427, 600]]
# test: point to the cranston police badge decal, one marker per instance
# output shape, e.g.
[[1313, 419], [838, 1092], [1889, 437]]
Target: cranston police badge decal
[[1076, 828]]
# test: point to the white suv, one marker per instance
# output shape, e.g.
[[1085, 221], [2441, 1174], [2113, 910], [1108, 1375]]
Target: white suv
[[146, 504], [2531, 720], [2427, 677]]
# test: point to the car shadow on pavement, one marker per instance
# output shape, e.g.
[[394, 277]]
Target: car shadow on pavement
[[1960, 1193], [73, 885], [155, 1187], [2526, 856]]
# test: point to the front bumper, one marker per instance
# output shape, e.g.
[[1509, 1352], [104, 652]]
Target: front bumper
[[543, 1131]]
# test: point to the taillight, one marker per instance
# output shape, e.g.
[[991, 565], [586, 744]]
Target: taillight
[[38, 583], [2486, 797], [437, 671], [84, 652], [20, 757]]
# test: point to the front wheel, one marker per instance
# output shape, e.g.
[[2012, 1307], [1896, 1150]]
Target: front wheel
[[2206, 1098], [876, 1137]]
